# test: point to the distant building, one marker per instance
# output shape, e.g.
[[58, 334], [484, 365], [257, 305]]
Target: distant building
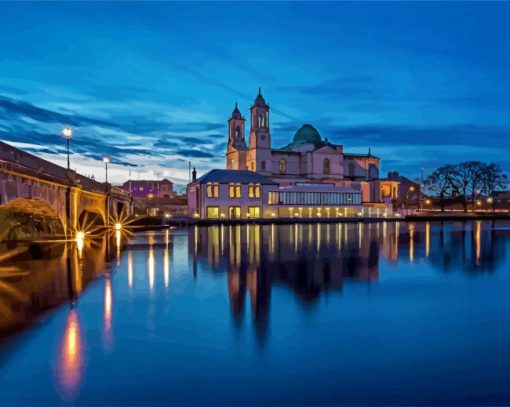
[[408, 190], [149, 188], [307, 158], [501, 199]]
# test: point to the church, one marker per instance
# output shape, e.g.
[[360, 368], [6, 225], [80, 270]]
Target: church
[[306, 159]]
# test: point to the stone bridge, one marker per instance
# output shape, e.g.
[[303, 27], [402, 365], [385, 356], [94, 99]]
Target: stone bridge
[[34, 186]]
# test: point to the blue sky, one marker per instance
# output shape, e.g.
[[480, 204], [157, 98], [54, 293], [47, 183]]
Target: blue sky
[[152, 84]]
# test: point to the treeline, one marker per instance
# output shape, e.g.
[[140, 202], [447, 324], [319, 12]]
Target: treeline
[[466, 181]]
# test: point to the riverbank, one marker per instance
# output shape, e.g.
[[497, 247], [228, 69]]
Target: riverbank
[[151, 223]]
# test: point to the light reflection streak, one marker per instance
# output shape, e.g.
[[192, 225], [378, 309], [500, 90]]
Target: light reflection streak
[[411, 242], [427, 239], [117, 243], [478, 241], [130, 269], [71, 361], [166, 261], [108, 304], [151, 268]]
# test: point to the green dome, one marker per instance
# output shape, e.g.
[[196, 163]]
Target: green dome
[[307, 134]]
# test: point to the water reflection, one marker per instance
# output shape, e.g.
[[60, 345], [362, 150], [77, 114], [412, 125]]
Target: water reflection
[[53, 273], [70, 366], [313, 258], [254, 264]]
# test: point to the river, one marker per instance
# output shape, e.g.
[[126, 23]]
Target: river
[[380, 313]]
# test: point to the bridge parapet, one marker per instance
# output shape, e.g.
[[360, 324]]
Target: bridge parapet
[[47, 170]]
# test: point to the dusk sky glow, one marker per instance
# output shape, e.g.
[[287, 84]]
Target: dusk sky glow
[[152, 84]]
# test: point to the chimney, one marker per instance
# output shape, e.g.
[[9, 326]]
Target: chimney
[[194, 175]]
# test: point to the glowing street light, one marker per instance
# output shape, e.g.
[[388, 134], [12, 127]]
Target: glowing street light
[[68, 134], [490, 200]]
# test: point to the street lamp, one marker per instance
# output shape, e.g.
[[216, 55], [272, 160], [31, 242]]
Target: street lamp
[[68, 134]]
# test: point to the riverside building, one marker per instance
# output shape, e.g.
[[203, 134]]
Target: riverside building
[[309, 178]]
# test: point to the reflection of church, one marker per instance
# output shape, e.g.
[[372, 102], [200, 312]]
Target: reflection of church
[[308, 158], [304, 258]]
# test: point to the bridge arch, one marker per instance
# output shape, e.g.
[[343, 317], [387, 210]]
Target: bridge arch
[[29, 219]]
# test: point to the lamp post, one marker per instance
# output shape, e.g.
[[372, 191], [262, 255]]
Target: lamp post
[[68, 134], [411, 189], [490, 201], [106, 160]]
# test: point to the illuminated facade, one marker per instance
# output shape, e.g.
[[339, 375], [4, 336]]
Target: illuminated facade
[[308, 158], [242, 194]]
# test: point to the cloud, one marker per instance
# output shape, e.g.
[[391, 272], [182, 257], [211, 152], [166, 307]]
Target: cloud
[[23, 109], [195, 153]]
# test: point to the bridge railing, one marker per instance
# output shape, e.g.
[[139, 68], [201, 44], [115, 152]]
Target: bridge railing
[[20, 158]]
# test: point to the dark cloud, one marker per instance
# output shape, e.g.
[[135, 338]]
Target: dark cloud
[[395, 134], [195, 153], [22, 109]]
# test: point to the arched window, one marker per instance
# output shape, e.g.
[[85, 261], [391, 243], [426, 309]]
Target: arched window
[[283, 166], [325, 166], [237, 132]]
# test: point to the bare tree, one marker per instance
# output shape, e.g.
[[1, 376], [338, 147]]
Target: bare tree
[[494, 179], [439, 184], [466, 180]]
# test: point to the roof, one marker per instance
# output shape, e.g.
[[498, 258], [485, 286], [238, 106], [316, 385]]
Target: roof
[[259, 100], [361, 155], [236, 114], [307, 134], [241, 176]]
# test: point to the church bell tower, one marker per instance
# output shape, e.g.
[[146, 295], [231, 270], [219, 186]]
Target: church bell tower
[[259, 152], [236, 146]]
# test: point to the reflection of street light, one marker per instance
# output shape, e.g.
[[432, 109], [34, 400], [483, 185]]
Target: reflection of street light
[[68, 134]]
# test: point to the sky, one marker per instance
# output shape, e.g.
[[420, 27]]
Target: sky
[[151, 85]]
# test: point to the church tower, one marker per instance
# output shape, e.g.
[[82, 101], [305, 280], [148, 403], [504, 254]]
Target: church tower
[[236, 146], [259, 152]]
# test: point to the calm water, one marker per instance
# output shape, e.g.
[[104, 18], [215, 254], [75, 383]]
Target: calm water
[[298, 314]]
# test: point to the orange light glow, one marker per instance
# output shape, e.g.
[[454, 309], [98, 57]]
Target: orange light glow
[[108, 304], [71, 361]]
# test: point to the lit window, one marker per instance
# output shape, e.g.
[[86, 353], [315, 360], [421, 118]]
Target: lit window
[[213, 212], [234, 190], [254, 212], [213, 190]]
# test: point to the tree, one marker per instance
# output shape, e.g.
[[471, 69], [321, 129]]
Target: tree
[[493, 179], [466, 180], [439, 184]]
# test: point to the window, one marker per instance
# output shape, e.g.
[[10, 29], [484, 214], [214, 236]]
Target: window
[[263, 165], [234, 212], [283, 166], [213, 212], [325, 166], [237, 132], [254, 191], [254, 212], [213, 190], [234, 190]]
